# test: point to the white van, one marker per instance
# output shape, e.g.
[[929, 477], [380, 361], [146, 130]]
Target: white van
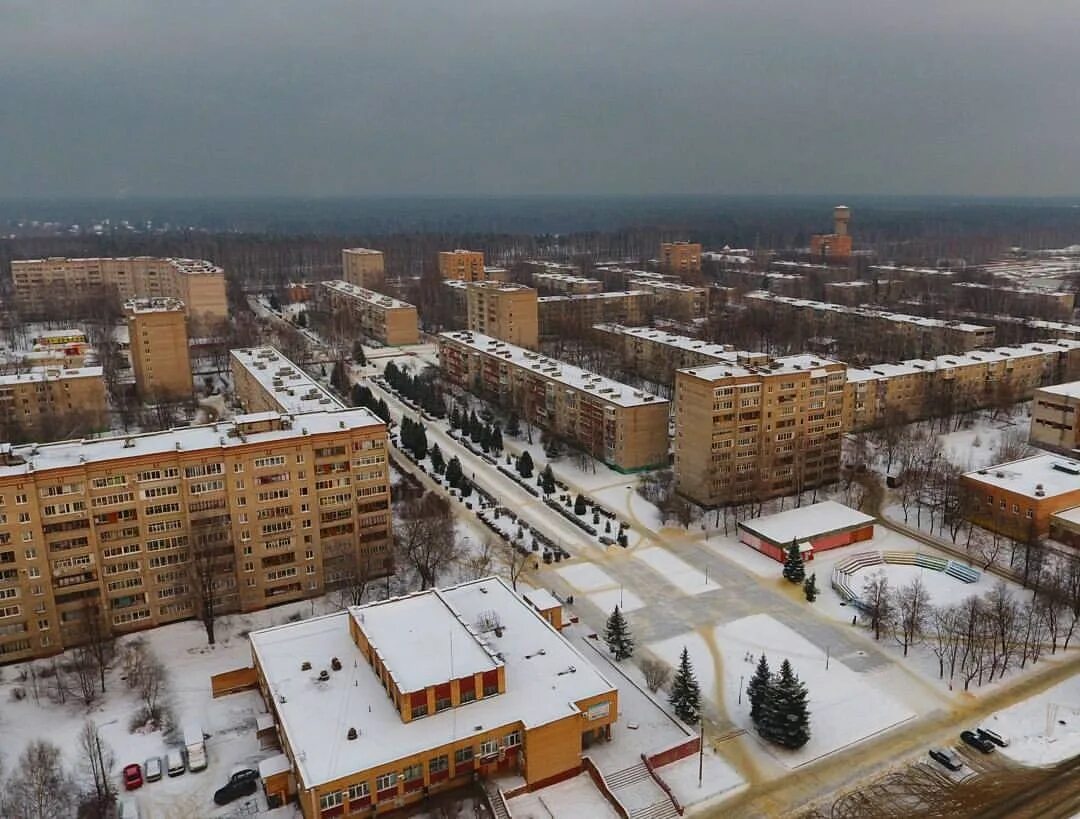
[[195, 746]]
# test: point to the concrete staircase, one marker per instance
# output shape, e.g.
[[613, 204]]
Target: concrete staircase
[[627, 776], [635, 788]]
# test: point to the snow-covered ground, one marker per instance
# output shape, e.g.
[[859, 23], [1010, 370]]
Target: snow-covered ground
[[675, 571], [718, 780], [603, 590], [577, 797], [1044, 729], [845, 706]]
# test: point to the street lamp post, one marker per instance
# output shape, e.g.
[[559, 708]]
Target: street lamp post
[[701, 749]]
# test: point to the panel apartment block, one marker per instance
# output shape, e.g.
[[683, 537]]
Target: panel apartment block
[[681, 258], [505, 311], [362, 266], [264, 380], [1054, 423], [115, 530], [574, 315], [745, 430], [44, 285], [624, 427], [463, 265], [387, 320], [157, 331], [565, 284], [44, 401]]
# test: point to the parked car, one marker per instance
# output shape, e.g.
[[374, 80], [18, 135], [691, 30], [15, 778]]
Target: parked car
[[946, 758], [132, 777], [129, 809], [241, 783], [152, 769], [174, 762], [977, 742], [994, 737]]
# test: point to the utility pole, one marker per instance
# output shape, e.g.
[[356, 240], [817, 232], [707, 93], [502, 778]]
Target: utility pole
[[701, 749]]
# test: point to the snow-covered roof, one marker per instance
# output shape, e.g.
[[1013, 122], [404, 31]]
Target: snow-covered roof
[[1036, 477], [276, 764], [154, 304], [361, 251], [806, 522], [59, 336], [363, 294], [566, 278], [665, 285], [293, 389], [998, 288], [545, 676], [899, 318], [423, 641], [721, 352], [501, 287], [619, 294], [542, 599], [37, 374], [217, 437], [598, 386], [1070, 517], [1068, 390]]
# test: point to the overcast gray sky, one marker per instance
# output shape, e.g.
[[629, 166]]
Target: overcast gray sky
[[352, 97]]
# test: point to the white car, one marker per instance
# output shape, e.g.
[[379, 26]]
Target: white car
[[175, 762], [152, 769], [129, 809]]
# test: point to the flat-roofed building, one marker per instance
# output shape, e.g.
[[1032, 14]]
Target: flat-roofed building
[[853, 293], [61, 285], [51, 402], [656, 354], [362, 266], [572, 316], [1018, 498], [463, 265], [505, 311], [816, 528], [999, 297], [157, 330], [681, 259], [134, 531], [438, 688], [1054, 422], [456, 296], [382, 318], [621, 426], [565, 284], [758, 429], [264, 380], [682, 302]]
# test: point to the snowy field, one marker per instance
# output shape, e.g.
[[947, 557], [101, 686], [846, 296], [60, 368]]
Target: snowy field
[[601, 589], [845, 706], [718, 780], [1034, 727], [577, 797], [676, 571]]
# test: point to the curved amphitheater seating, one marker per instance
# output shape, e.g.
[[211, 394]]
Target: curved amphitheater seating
[[845, 570]]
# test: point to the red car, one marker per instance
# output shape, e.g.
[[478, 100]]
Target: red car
[[132, 777]]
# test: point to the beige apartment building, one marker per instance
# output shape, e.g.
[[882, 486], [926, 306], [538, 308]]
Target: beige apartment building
[[52, 402], [384, 319], [463, 265], [157, 332], [565, 284], [755, 430], [1054, 423], [656, 355], [623, 427], [362, 266], [60, 284], [682, 302], [572, 316], [681, 258], [121, 532], [999, 297], [264, 380], [505, 311]]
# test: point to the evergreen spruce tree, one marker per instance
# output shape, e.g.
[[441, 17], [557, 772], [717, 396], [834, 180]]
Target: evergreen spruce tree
[[485, 438], [810, 588], [547, 480], [496, 438], [383, 411], [453, 472], [617, 636], [794, 568], [579, 505], [438, 463], [685, 695], [757, 691], [455, 418], [474, 427], [420, 447], [513, 425], [358, 353], [525, 465], [466, 487], [790, 723]]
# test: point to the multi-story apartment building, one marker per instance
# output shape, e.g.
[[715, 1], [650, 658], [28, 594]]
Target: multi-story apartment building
[[63, 285], [750, 430], [362, 266], [387, 320], [565, 284], [682, 259], [934, 334], [998, 298], [656, 355], [853, 293], [505, 311], [52, 402], [682, 302], [434, 690], [1019, 498], [128, 532], [570, 316], [1054, 422], [157, 333], [264, 380], [463, 265], [624, 427], [618, 276], [456, 296]]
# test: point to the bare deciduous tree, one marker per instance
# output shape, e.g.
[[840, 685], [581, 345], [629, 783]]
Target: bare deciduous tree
[[657, 673], [40, 788], [97, 760], [877, 603], [424, 537], [912, 607]]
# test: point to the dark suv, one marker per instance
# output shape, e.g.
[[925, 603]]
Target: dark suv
[[978, 742], [241, 783], [946, 758]]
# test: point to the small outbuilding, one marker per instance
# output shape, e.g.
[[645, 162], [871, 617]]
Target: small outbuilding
[[816, 528]]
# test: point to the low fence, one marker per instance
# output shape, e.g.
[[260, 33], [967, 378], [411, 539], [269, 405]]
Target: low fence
[[230, 682]]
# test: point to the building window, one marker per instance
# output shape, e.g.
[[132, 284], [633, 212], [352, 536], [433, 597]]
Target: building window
[[442, 704], [463, 755], [513, 739], [419, 711], [386, 782], [489, 747], [331, 800], [413, 772], [359, 791], [438, 764]]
